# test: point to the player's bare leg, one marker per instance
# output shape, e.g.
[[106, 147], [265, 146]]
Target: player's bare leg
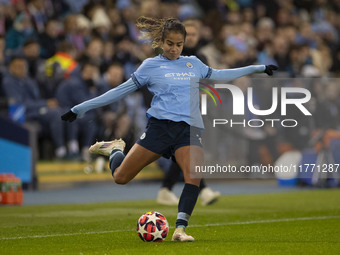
[[124, 168], [137, 158], [187, 157]]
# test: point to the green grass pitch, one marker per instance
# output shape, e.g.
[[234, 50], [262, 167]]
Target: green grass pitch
[[304, 222]]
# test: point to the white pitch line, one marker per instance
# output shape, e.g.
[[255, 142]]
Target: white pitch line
[[191, 226], [267, 221], [67, 234]]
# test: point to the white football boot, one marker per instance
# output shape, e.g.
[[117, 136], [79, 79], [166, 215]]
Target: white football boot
[[166, 197], [105, 148], [208, 196], [180, 236]]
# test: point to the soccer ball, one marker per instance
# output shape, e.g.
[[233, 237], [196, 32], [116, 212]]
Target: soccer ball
[[152, 227]]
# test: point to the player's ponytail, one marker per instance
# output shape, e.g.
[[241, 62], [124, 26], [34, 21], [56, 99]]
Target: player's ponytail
[[157, 29]]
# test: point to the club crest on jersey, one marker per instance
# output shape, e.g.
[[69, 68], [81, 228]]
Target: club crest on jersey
[[189, 65], [142, 136]]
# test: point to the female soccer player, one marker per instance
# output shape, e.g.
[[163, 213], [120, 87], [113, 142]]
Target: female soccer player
[[171, 130]]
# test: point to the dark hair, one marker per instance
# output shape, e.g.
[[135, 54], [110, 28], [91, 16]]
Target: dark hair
[[30, 41], [158, 29], [65, 46], [50, 20], [85, 63], [16, 57], [115, 63]]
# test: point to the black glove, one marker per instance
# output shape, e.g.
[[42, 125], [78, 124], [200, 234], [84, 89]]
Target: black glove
[[69, 116], [269, 69]]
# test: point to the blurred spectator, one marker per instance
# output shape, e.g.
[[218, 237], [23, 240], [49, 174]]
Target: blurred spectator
[[191, 46], [2, 20], [21, 89], [336, 61], [322, 59], [129, 15], [20, 5], [21, 30], [116, 120], [214, 50], [248, 15], [76, 6], [150, 8], [8, 13], [119, 30], [72, 33], [298, 137], [49, 39], [261, 140], [288, 32], [101, 23], [78, 88], [241, 45], [327, 109], [3, 58], [266, 55], [169, 8], [125, 118], [306, 35], [31, 51], [299, 56], [57, 8], [109, 56], [57, 68], [37, 10], [93, 52], [127, 54], [285, 17], [84, 27], [280, 52], [265, 31], [3, 63]]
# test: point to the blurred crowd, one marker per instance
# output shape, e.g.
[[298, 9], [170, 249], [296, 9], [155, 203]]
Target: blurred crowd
[[56, 54]]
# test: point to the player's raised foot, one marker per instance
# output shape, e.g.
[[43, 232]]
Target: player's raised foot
[[166, 197], [105, 148], [180, 236], [209, 196]]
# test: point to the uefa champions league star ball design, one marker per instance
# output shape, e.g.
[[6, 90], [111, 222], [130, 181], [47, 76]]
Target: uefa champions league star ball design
[[152, 227]]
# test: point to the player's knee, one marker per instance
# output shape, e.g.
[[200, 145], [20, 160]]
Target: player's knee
[[120, 179]]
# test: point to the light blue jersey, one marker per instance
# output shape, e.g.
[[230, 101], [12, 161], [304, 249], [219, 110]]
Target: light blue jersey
[[169, 82], [175, 97]]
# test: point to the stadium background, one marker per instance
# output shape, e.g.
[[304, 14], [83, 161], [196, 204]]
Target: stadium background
[[301, 37]]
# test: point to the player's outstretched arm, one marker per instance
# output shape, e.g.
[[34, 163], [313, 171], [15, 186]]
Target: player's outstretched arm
[[109, 97], [232, 74]]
